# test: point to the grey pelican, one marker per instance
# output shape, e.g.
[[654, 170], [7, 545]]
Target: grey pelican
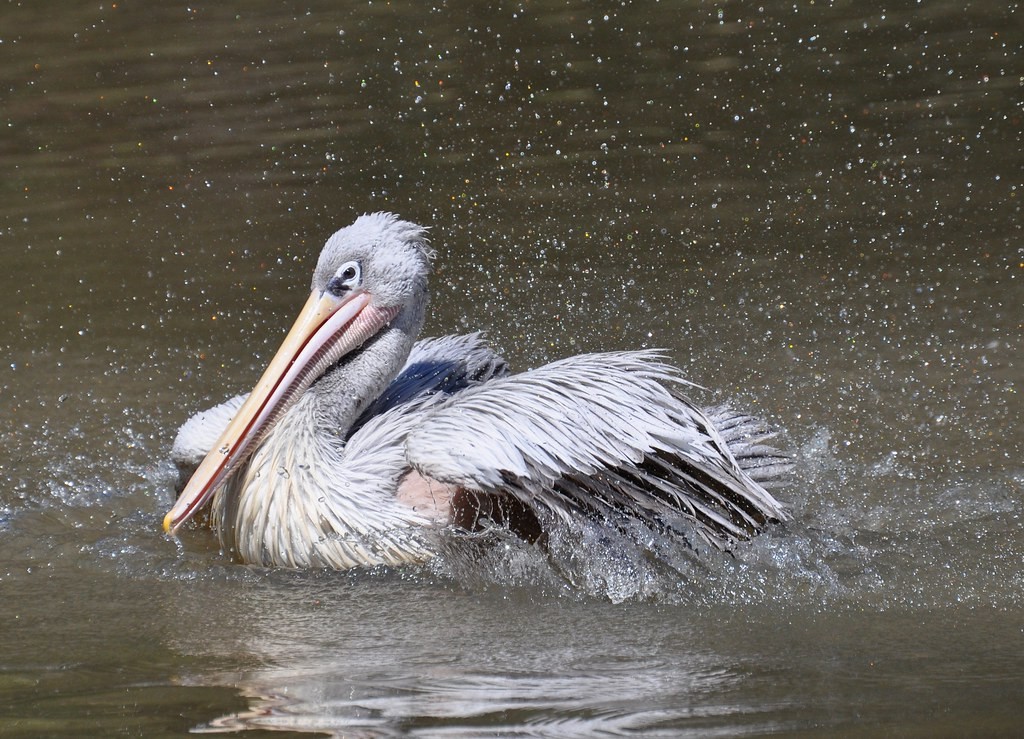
[[359, 442]]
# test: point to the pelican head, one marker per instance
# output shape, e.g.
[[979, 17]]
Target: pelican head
[[371, 276]]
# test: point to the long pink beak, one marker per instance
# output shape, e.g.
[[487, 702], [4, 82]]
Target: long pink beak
[[327, 329]]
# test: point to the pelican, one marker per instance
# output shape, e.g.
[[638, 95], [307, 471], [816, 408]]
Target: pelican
[[359, 443]]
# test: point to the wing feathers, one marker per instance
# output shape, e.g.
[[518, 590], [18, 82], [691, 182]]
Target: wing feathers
[[446, 364], [610, 433]]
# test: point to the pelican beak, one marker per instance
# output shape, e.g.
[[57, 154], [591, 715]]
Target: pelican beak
[[328, 328]]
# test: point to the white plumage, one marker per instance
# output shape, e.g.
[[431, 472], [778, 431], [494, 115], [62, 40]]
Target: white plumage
[[400, 438]]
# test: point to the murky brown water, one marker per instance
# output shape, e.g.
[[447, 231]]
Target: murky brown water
[[815, 208]]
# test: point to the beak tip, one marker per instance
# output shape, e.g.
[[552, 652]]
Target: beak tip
[[169, 527]]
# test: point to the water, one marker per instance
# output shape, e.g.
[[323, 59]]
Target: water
[[815, 209]]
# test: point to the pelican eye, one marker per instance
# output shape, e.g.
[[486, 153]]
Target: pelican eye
[[346, 278]]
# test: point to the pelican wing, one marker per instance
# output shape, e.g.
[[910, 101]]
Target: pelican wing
[[198, 434], [446, 364], [746, 437], [610, 434]]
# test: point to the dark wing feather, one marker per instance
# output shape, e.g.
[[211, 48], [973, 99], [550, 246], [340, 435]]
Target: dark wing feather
[[607, 434], [445, 364]]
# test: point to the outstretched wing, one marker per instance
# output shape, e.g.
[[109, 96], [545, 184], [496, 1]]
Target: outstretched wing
[[746, 438], [610, 434]]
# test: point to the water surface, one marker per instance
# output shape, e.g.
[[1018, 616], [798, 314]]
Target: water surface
[[814, 208]]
